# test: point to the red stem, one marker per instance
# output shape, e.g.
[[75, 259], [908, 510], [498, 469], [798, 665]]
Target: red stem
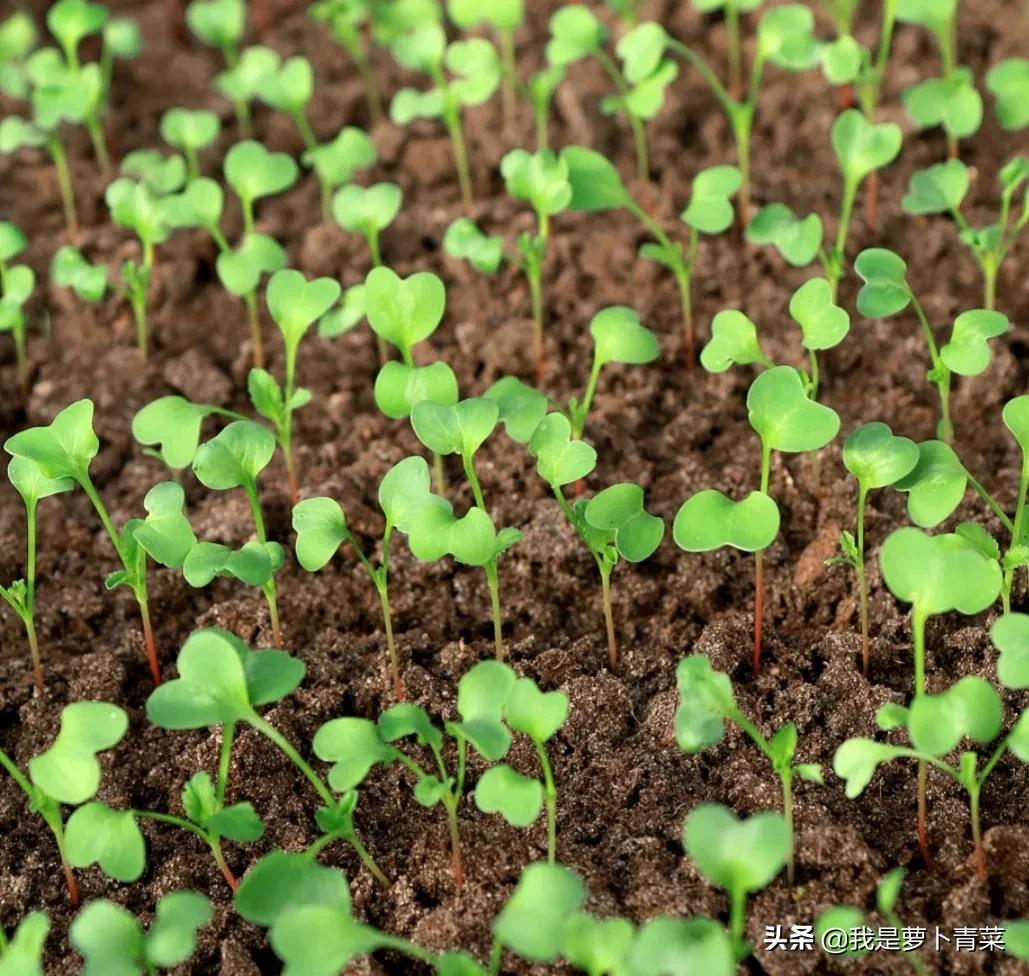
[[73, 888], [151, 647]]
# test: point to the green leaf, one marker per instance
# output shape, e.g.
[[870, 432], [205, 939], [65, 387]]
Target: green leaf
[[399, 721], [575, 33], [476, 68], [160, 174], [824, 323], [675, 945], [200, 204], [503, 15], [968, 352], [289, 88], [111, 838], [518, 799], [30, 482], [409, 104], [320, 940], [938, 189], [597, 945], [705, 700], [189, 129], [235, 456], [12, 241], [783, 415], [857, 760], [320, 527], [165, 534], [403, 490], [458, 429], [935, 485], [68, 771], [521, 406], [1016, 939], [221, 680], [560, 460], [337, 162], [464, 240], [482, 696], [541, 178], [1010, 634], [254, 564], [877, 458], [173, 424], [971, 708], [346, 316], [254, 172], [537, 714], [532, 923], [710, 208], [404, 311], [71, 21], [709, 520], [861, 146], [619, 337], [367, 210], [243, 82], [240, 270], [886, 290], [595, 182], [219, 23], [888, 890], [354, 746], [62, 449], [280, 882], [172, 936], [1016, 418], [434, 532], [109, 939], [619, 509], [940, 573], [784, 37], [1008, 80], [16, 133], [950, 102], [296, 303], [733, 342], [737, 855], [24, 953], [842, 60], [840, 918], [399, 387]]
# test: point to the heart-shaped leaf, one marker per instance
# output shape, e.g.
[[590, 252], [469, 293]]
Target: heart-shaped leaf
[[254, 172], [30, 482], [255, 564], [575, 33], [641, 50], [533, 921], [824, 323], [337, 162], [403, 490], [950, 102], [280, 882], [971, 708], [165, 534], [296, 303], [521, 406], [464, 240], [783, 415], [70, 21], [62, 449], [541, 178], [354, 746], [69, 269], [619, 509], [320, 941], [96, 834], [240, 270], [935, 485], [1010, 634], [710, 208], [477, 68], [459, 429], [172, 423], [559, 459], [1016, 418], [842, 60], [886, 290], [737, 855], [857, 760], [710, 520], [595, 182], [399, 387], [243, 82], [219, 23], [235, 456], [518, 799], [345, 316], [435, 532], [320, 527], [409, 104], [733, 342], [968, 352], [367, 210], [784, 37], [290, 87], [619, 337], [877, 457], [705, 701], [861, 146], [535, 713], [938, 189], [404, 311], [200, 204], [189, 129], [24, 953]]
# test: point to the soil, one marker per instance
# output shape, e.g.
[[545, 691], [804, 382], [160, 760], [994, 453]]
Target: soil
[[624, 787]]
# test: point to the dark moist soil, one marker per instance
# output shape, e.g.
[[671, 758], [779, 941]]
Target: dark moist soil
[[624, 787]]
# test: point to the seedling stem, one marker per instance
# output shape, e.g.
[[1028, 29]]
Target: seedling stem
[[55, 147], [508, 91], [639, 134], [609, 620], [268, 589], [550, 794], [1016, 531], [254, 318], [759, 567]]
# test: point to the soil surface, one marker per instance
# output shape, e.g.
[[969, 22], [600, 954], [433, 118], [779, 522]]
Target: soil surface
[[624, 787]]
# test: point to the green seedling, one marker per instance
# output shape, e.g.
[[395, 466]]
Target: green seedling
[[492, 702], [63, 451], [435, 531], [936, 574], [886, 292], [30, 482], [613, 524], [739, 856], [235, 458], [221, 24], [336, 163], [403, 312], [113, 943], [288, 89], [935, 725], [1010, 635], [877, 458], [862, 149], [241, 82], [172, 425], [463, 74], [784, 39], [707, 702], [640, 84], [307, 910], [596, 186], [466, 242], [322, 529], [190, 131], [295, 305], [942, 188], [17, 282], [368, 211], [1008, 82], [68, 772], [347, 24], [539, 91], [731, 10], [22, 953], [223, 682], [785, 419], [18, 39]]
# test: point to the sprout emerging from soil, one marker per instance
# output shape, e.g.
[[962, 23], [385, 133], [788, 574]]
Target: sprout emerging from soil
[[942, 188], [935, 725], [190, 131], [368, 211], [739, 856], [17, 282], [706, 702], [463, 74], [321, 528], [68, 772], [110, 940], [336, 163], [221, 24]]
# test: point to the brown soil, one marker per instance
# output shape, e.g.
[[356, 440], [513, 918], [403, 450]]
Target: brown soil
[[624, 787]]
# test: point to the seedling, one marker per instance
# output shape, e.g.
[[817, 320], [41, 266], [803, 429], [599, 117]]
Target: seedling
[[404, 312], [596, 186], [18, 38], [862, 148], [706, 702], [1008, 82], [235, 458], [190, 131], [221, 24], [63, 451], [17, 282], [368, 211], [640, 84], [223, 682], [30, 482], [784, 39], [886, 292], [241, 82], [172, 424], [466, 242], [346, 23], [739, 856], [68, 772], [113, 943], [492, 702], [322, 528], [1010, 635], [336, 163], [22, 953], [540, 91], [295, 305], [877, 458], [307, 909], [785, 419], [942, 189], [434, 530], [936, 574], [951, 102], [935, 725], [464, 73]]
